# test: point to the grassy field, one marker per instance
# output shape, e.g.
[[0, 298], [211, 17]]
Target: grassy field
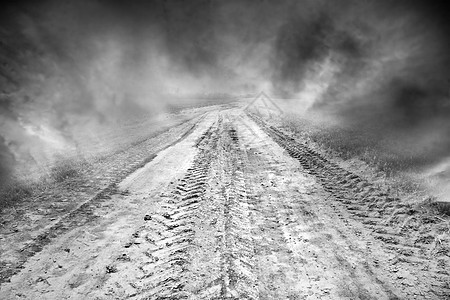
[[390, 165], [396, 169], [94, 150]]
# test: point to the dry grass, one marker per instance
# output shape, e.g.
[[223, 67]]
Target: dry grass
[[391, 170], [63, 171], [14, 192], [67, 168], [356, 143], [20, 189], [350, 143], [94, 149]]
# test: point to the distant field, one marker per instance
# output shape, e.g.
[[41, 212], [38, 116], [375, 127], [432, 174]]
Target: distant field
[[395, 163], [95, 150]]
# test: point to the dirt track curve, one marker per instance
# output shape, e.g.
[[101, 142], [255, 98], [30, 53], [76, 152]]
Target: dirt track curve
[[234, 208]]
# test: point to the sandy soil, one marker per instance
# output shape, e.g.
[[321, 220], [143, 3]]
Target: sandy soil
[[233, 208]]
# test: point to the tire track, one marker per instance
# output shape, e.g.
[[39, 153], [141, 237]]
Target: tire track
[[298, 255], [84, 212], [168, 236], [400, 228], [236, 278]]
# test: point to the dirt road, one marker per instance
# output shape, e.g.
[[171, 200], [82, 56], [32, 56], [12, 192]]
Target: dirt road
[[236, 209]]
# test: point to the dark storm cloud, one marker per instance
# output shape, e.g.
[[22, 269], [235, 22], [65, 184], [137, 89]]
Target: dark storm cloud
[[185, 27], [391, 76], [67, 39], [355, 31], [299, 43]]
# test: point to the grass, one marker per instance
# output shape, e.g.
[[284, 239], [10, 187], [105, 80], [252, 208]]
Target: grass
[[388, 167], [93, 150], [18, 190], [14, 192], [65, 169], [350, 143], [366, 145]]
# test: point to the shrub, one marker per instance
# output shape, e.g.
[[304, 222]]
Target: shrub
[[65, 169]]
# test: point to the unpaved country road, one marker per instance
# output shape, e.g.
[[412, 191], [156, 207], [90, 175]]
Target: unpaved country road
[[238, 210]]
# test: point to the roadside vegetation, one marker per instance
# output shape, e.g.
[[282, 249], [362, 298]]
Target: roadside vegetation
[[352, 143], [75, 166], [24, 187], [390, 168]]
